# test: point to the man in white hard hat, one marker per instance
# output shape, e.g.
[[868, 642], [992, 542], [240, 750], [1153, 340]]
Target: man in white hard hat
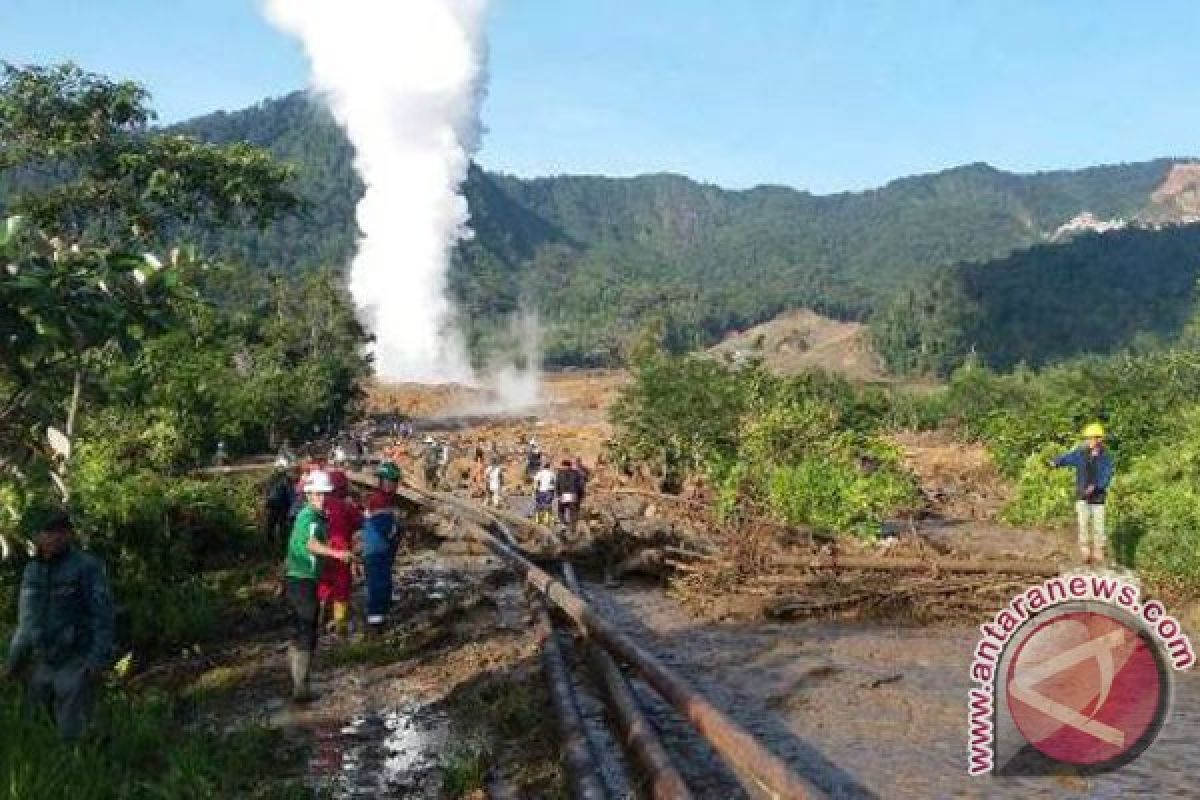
[[306, 547]]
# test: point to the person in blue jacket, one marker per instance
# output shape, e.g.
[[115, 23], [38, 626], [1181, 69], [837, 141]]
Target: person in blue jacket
[[1093, 474], [63, 644], [381, 540]]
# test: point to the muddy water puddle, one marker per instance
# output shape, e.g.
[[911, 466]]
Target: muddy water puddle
[[864, 710], [381, 753]]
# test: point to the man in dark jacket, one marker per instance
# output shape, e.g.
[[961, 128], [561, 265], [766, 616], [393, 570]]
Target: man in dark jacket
[[568, 486], [278, 500], [1093, 474], [64, 638]]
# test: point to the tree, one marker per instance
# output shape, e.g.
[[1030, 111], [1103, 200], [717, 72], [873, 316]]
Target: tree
[[99, 189]]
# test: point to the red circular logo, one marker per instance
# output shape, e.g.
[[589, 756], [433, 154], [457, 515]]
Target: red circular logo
[[1086, 688]]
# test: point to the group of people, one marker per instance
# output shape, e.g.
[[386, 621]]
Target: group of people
[[563, 488], [332, 540]]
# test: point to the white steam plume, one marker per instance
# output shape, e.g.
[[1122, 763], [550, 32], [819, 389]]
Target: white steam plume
[[405, 80]]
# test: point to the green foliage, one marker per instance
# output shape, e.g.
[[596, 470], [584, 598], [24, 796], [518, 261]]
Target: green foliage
[[91, 189], [806, 448], [1158, 504], [1095, 294], [145, 754], [166, 355], [1043, 493], [94, 171], [464, 769]]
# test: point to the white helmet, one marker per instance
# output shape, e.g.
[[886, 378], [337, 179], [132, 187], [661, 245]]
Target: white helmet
[[281, 461], [318, 481], [429, 440]]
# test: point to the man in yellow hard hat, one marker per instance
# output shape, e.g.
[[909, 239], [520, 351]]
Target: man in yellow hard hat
[[1093, 474]]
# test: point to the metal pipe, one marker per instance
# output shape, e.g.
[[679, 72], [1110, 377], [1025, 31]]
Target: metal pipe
[[640, 737], [580, 764], [766, 772]]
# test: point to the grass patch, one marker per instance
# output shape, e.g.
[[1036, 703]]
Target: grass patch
[[464, 769], [140, 749], [374, 652], [506, 717]]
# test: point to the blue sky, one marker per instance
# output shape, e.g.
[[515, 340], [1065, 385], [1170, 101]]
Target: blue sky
[[820, 94]]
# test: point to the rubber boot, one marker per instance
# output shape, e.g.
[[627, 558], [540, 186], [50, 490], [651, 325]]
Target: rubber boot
[[341, 618], [301, 664]]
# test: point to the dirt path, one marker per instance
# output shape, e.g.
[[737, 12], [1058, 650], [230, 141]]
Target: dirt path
[[449, 698]]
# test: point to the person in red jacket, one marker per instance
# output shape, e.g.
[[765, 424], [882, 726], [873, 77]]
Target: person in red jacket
[[345, 520]]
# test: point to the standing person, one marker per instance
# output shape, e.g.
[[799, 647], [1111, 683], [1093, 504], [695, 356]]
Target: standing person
[[344, 520], [306, 547], [430, 456], [381, 540], [543, 494], [585, 475], [1093, 474], [479, 468], [533, 459], [222, 455], [495, 483], [65, 621], [277, 503], [566, 486], [444, 463]]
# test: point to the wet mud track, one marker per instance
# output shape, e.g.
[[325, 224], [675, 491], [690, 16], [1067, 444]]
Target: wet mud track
[[404, 714], [861, 710]]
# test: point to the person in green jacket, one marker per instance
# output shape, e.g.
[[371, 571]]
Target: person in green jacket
[[65, 621], [302, 569]]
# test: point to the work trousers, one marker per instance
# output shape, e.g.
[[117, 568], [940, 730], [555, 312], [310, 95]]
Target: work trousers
[[1090, 517], [66, 693], [379, 584], [306, 610]]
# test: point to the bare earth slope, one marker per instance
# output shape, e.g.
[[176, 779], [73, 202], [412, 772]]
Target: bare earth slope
[[802, 339]]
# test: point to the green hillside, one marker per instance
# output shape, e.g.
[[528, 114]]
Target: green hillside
[[1095, 294], [599, 256]]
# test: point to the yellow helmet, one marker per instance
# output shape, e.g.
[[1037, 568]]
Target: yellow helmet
[[1094, 431]]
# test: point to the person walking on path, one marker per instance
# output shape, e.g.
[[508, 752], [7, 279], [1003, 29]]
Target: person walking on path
[[302, 569], [278, 500], [567, 487], [543, 494], [495, 483], [585, 476], [65, 621], [1093, 474], [430, 459], [533, 459], [381, 540], [333, 588]]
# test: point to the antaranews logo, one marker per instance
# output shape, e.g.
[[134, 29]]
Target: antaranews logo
[[1073, 671]]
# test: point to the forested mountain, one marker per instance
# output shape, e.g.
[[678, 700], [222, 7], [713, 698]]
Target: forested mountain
[[599, 256], [1095, 294]]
